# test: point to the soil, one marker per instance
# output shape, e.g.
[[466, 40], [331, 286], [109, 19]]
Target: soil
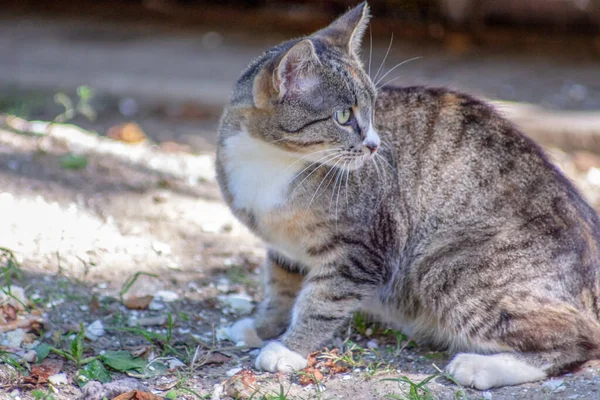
[[80, 233]]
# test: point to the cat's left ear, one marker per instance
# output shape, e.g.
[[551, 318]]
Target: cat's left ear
[[348, 30]]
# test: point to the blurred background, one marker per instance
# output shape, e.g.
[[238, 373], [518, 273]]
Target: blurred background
[[170, 64]]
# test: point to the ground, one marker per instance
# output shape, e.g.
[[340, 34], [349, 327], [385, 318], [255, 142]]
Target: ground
[[84, 214]]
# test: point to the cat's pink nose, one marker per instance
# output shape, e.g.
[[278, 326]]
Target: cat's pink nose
[[372, 147]]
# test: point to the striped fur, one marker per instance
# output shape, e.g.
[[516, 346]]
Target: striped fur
[[457, 230]]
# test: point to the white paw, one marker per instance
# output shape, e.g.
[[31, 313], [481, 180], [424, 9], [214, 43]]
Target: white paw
[[243, 333], [275, 357], [484, 372]]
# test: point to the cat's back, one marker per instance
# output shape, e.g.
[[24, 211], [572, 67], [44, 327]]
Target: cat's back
[[469, 174]]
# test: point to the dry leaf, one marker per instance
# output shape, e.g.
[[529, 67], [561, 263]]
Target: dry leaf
[[311, 375], [95, 305], [138, 303], [40, 372], [312, 359], [216, 358], [10, 312], [137, 395], [129, 133], [242, 385], [30, 322]]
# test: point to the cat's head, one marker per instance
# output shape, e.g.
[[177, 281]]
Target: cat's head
[[312, 95]]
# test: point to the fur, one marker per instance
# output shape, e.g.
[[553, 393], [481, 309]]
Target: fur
[[426, 208]]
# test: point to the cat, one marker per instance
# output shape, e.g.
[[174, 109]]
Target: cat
[[421, 206]]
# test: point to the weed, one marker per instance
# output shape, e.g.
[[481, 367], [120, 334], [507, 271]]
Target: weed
[[416, 391], [82, 107], [161, 341], [181, 388], [41, 395], [131, 280]]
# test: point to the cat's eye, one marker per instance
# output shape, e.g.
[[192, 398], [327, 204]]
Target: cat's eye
[[342, 117]]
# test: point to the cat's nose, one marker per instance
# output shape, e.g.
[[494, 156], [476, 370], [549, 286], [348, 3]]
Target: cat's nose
[[372, 146]]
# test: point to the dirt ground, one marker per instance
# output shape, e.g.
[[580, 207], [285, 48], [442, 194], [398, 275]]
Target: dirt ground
[[154, 207]]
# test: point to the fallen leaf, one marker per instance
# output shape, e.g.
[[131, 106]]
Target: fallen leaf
[[123, 361], [137, 395], [10, 312], [73, 161], [129, 132], [41, 372], [242, 385], [30, 322], [312, 359], [95, 305], [93, 371], [310, 375], [166, 386], [216, 358], [138, 303]]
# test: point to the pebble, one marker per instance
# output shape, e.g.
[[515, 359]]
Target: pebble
[[372, 344], [155, 305], [166, 295], [233, 371], [486, 395], [241, 303], [14, 338], [95, 330], [554, 385], [175, 363], [58, 379]]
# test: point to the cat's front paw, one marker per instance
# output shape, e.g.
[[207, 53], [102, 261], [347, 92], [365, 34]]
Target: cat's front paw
[[243, 333], [275, 357]]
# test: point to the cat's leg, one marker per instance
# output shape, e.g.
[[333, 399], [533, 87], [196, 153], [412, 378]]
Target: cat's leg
[[273, 314], [544, 342], [328, 298]]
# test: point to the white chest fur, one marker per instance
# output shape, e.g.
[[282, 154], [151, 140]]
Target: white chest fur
[[258, 174]]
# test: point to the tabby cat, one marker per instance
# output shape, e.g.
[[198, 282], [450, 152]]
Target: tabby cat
[[423, 207]]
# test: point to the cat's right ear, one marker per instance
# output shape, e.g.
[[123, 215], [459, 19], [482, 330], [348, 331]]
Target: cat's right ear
[[294, 74]]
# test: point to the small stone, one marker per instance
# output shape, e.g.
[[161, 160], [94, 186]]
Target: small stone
[[58, 379], [166, 295], [486, 395], [175, 363], [241, 303], [15, 338], [95, 330], [554, 384], [115, 388], [30, 356], [155, 305], [372, 344], [93, 391], [233, 371]]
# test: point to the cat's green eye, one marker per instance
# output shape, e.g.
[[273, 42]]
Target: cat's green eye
[[342, 117]]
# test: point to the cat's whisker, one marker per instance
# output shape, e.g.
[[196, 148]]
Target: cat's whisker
[[312, 172], [384, 58], [310, 154], [396, 66], [347, 178], [387, 163], [321, 183], [376, 168], [337, 200], [370, 49]]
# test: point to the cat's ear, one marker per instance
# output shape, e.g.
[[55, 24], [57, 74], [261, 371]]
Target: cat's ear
[[294, 74], [348, 30]]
